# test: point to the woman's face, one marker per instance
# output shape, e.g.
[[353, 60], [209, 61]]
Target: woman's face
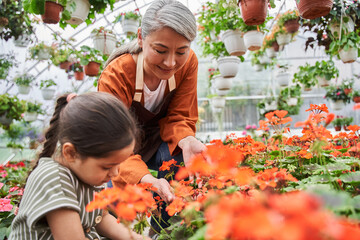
[[165, 52]]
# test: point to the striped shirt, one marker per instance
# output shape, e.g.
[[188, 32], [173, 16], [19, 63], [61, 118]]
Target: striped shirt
[[52, 186]]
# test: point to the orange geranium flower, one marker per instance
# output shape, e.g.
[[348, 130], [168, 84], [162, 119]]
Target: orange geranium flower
[[175, 206], [166, 166]]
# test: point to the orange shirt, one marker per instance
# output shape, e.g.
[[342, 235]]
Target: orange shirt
[[118, 78]]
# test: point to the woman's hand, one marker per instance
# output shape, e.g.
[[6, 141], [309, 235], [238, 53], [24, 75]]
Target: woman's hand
[[190, 146], [163, 187]]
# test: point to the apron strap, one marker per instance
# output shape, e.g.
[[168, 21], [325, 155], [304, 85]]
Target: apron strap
[[139, 82]]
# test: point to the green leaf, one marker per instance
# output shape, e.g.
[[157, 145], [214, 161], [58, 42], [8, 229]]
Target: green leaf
[[352, 178], [199, 234]]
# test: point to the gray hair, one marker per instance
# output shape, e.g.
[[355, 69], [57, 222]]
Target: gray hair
[[160, 14]]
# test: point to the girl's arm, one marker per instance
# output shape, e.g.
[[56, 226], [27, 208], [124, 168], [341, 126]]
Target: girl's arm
[[108, 227], [65, 224]]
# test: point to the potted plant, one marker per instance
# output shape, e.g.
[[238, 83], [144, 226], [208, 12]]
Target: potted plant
[[347, 122], [324, 71], [41, 51], [346, 48], [6, 62], [104, 40], [228, 66], [281, 35], [283, 76], [48, 9], [23, 83], [290, 99], [337, 122], [129, 21], [222, 83], [305, 77], [270, 45], [311, 9], [78, 70], [337, 96], [15, 133], [254, 36], [76, 11], [32, 111], [254, 12], [290, 20], [11, 108], [355, 96], [91, 59], [347, 85], [47, 90], [270, 104]]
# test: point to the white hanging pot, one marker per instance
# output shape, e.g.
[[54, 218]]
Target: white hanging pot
[[253, 40], [81, 12], [264, 59], [270, 106], [322, 82], [221, 93], [234, 42], [105, 43], [130, 26], [258, 67], [283, 78], [222, 83], [22, 41], [283, 38], [292, 101], [335, 27], [44, 54], [228, 66], [47, 93], [270, 52], [218, 102], [22, 89], [337, 105], [30, 116], [261, 111], [348, 56]]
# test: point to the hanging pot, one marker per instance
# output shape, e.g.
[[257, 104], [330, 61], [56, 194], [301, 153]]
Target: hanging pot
[[258, 67], [47, 93], [292, 101], [270, 52], [218, 102], [270, 106], [221, 93], [292, 26], [322, 81], [311, 9], [81, 12], [130, 26], [283, 78], [43, 54], [105, 43], [228, 66], [222, 83], [5, 120], [263, 59], [337, 105], [30, 116], [283, 38], [253, 12], [79, 76], [337, 128], [334, 27], [356, 99], [65, 65], [23, 89], [348, 56], [92, 69], [234, 42], [22, 41], [276, 46], [347, 91], [253, 40], [52, 12]]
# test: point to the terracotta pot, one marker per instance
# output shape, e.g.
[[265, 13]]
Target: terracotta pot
[[253, 11], [92, 69], [337, 128], [52, 12], [356, 99], [311, 9], [79, 75], [65, 65], [276, 46], [346, 128], [347, 91], [292, 26]]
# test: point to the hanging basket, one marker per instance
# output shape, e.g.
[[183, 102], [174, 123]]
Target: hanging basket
[[221, 93], [283, 38], [337, 105], [105, 43], [348, 56], [322, 82], [253, 40], [276, 46], [283, 78], [79, 76], [52, 12], [43, 54], [258, 67], [311, 9], [292, 26], [5, 120], [270, 52], [356, 99], [222, 83], [130, 26], [253, 11], [22, 41], [292, 101], [270, 106], [234, 42], [30, 116], [92, 69], [81, 12], [218, 102], [48, 93], [22, 89], [65, 65], [228, 66]]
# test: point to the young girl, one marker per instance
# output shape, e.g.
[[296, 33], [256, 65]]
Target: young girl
[[95, 133]]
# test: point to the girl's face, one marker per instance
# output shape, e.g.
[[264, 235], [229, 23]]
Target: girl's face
[[97, 171], [165, 52]]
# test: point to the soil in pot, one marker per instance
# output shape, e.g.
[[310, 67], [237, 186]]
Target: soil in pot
[[52, 12]]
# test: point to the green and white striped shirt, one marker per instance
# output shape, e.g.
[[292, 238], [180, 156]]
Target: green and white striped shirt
[[52, 186]]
